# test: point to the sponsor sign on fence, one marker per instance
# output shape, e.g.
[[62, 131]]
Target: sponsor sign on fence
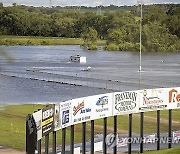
[[65, 114], [125, 102], [153, 99], [44, 120], [81, 110], [38, 120], [47, 120], [57, 118], [102, 106], [61, 115]]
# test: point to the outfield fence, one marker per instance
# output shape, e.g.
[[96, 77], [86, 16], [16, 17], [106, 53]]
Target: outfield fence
[[65, 115]]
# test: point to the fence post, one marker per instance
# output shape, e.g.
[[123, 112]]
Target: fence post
[[47, 144], [115, 134], [63, 140], [31, 135], [39, 147], [104, 136], [170, 129], [130, 134], [72, 140], [83, 137], [92, 136], [158, 129], [39, 142], [141, 131], [54, 142]]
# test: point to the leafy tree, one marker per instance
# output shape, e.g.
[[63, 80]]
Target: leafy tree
[[89, 37], [158, 38], [116, 36]]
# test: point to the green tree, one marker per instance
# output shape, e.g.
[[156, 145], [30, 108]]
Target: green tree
[[157, 38], [89, 37], [116, 36]]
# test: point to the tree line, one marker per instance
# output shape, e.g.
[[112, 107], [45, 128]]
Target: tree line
[[161, 26]]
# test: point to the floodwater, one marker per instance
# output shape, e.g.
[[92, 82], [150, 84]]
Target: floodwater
[[25, 80]]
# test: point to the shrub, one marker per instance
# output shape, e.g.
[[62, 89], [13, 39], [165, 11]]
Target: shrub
[[111, 47], [92, 47]]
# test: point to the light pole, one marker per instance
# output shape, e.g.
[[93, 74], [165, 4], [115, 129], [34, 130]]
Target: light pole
[[140, 36]]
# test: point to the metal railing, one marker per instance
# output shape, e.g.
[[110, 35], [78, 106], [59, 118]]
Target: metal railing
[[34, 146]]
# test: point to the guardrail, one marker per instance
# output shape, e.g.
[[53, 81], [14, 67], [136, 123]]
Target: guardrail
[[92, 80], [67, 114]]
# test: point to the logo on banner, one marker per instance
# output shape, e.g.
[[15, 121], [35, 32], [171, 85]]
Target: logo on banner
[[80, 107], [174, 96], [65, 117], [125, 101], [83, 112], [153, 99], [102, 101]]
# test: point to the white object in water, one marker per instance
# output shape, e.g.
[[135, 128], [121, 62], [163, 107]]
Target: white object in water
[[83, 60], [87, 68]]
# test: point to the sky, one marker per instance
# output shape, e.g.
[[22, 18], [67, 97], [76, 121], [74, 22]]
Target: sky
[[48, 3]]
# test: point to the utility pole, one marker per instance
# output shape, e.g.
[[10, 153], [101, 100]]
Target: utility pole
[[140, 37]]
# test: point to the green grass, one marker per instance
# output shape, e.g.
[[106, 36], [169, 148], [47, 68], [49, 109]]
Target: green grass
[[164, 151], [32, 40], [149, 123], [12, 126], [13, 117]]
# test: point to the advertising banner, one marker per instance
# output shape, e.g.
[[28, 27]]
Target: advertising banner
[[176, 135], [125, 102], [153, 99], [38, 120], [65, 114], [174, 98], [57, 122], [81, 109], [47, 120], [102, 105]]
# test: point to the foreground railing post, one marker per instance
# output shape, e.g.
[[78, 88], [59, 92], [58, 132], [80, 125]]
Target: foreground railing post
[[47, 144], [39, 142], [115, 135], [63, 140], [39, 147], [130, 134], [72, 140], [158, 129], [83, 137], [54, 142], [141, 131], [104, 136], [170, 129], [92, 136], [30, 135]]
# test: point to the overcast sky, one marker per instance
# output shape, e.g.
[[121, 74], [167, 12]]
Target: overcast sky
[[82, 2]]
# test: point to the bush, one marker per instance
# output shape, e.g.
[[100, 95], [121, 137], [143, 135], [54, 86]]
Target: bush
[[44, 42], [29, 42], [111, 47], [92, 47]]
